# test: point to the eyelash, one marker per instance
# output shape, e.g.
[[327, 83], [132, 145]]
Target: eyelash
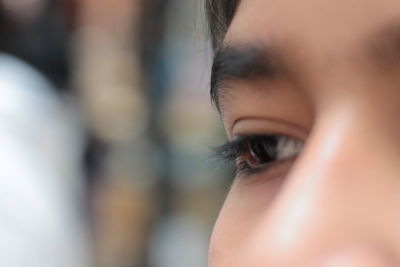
[[257, 153]]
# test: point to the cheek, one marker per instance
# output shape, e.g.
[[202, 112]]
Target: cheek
[[245, 207]]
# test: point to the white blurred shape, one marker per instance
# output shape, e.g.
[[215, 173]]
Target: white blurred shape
[[41, 186]]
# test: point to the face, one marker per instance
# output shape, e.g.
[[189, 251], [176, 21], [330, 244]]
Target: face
[[309, 93]]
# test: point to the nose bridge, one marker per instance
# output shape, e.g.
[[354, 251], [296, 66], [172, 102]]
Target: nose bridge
[[329, 175], [327, 199]]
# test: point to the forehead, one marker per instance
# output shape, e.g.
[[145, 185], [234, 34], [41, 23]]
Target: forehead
[[331, 49], [329, 24]]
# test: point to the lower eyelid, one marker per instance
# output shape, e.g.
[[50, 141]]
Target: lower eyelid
[[278, 169]]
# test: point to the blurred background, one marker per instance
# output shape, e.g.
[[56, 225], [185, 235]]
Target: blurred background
[[105, 134]]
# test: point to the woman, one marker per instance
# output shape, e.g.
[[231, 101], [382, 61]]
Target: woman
[[309, 94]]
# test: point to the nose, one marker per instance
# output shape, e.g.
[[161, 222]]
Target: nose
[[337, 205]]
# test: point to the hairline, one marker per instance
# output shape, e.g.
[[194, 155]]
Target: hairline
[[219, 14]]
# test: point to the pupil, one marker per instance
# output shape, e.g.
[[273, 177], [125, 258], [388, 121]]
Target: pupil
[[264, 149]]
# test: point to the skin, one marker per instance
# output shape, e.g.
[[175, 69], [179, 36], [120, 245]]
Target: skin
[[338, 202]]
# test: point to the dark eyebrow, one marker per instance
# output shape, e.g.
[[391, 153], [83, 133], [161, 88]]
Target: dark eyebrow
[[243, 62]]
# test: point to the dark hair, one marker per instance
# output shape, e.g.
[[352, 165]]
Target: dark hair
[[220, 14]]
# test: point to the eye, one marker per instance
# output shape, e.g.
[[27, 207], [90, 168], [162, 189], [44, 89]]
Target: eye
[[256, 153], [261, 152]]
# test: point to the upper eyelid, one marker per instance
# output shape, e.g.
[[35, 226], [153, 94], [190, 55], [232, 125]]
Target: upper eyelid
[[232, 149], [267, 126], [268, 134]]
